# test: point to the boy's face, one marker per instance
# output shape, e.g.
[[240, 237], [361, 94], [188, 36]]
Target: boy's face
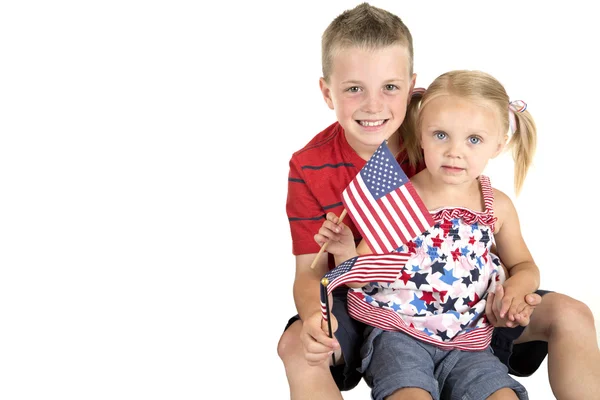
[[369, 91], [459, 137]]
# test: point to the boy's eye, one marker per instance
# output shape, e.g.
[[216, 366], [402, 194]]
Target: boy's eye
[[474, 140], [391, 87], [353, 89]]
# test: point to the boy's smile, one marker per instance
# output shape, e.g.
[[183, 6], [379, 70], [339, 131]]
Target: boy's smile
[[372, 124]]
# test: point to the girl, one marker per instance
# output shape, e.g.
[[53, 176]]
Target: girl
[[440, 297]]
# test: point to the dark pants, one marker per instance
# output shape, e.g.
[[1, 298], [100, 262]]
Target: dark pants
[[521, 359]]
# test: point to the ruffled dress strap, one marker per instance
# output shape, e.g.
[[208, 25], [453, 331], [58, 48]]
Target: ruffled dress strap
[[472, 217]]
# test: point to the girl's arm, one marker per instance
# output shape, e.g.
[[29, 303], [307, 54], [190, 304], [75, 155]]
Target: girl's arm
[[523, 273]]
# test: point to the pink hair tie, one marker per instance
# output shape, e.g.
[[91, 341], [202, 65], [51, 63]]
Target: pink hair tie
[[513, 107], [517, 106]]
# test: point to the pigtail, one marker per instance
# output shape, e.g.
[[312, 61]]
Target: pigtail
[[523, 143]]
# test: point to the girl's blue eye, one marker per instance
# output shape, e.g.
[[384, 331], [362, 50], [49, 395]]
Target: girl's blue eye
[[440, 135], [474, 140]]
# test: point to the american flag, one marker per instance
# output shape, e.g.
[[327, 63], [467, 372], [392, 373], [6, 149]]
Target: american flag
[[363, 269], [384, 205]]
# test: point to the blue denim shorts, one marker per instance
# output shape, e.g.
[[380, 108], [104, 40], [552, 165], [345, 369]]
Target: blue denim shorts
[[395, 360], [350, 337]]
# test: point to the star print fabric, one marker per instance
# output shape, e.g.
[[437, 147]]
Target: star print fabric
[[440, 294]]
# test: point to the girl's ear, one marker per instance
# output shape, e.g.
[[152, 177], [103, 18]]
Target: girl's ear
[[501, 146]]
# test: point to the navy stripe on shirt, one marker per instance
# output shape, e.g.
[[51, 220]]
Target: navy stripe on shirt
[[296, 180], [332, 205], [327, 166], [307, 219]]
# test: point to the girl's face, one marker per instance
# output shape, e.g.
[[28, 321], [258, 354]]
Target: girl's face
[[458, 137]]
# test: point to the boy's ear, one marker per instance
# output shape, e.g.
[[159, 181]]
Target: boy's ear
[[413, 82], [326, 92]]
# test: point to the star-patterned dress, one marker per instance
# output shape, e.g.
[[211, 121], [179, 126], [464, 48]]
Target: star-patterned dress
[[439, 296]]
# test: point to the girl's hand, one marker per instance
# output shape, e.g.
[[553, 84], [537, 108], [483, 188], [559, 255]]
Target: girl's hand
[[508, 310]]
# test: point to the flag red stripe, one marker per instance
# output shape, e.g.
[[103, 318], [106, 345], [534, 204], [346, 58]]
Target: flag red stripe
[[414, 221], [389, 215], [421, 215], [381, 234], [356, 210], [407, 233]]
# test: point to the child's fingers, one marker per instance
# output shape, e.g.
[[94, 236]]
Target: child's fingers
[[506, 302], [524, 309], [332, 227], [533, 299], [514, 309], [498, 296], [489, 313], [332, 217], [523, 317], [327, 232], [320, 239], [325, 236], [527, 311], [489, 302], [521, 306]]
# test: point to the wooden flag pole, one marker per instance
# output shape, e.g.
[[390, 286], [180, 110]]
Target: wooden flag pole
[[324, 247], [324, 283]]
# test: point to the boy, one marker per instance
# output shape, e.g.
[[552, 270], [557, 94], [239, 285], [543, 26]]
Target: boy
[[367, 58]]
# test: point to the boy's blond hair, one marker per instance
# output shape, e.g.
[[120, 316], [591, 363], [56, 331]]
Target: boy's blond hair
[[477, 86], [367, 27]]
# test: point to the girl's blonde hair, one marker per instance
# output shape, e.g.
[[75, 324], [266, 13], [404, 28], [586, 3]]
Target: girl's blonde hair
[[476, 86]]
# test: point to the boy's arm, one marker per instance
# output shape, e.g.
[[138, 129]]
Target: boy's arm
[[317, 344], [307, 284], [303, 210]]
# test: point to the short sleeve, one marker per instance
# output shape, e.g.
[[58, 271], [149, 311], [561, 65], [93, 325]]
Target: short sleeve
[[304, 212]]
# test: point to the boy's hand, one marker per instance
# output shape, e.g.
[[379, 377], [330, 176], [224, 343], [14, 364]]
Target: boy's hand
[[509, 309], [338, 235], [318, 346]]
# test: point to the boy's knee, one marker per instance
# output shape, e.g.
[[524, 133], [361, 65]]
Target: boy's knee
[[577, 310], [289, 345], [570, 313]]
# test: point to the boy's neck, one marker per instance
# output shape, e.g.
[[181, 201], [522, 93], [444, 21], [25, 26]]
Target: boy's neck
[[366, 153]]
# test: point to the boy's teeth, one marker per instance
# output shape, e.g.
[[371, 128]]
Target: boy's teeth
[[371, 123]]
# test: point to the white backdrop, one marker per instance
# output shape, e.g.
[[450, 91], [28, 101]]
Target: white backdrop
[[144, 147]]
